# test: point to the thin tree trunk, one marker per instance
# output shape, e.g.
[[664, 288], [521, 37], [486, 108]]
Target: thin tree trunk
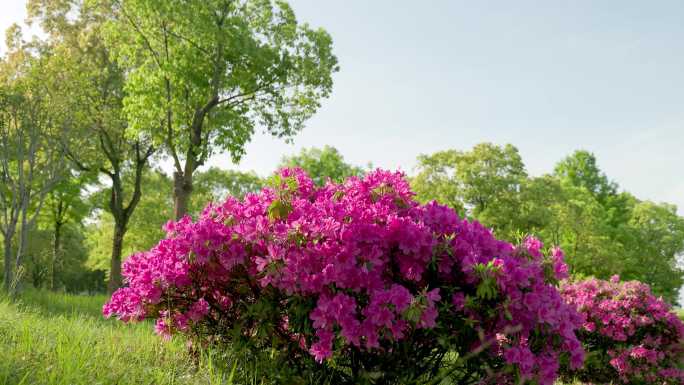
[[23, 236], [115, 280], [56, 250], [7, 243]]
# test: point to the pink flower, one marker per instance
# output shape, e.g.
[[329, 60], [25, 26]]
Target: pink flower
[[533, 246], [458, 300]]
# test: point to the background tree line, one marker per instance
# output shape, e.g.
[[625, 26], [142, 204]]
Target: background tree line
[[603, 230]]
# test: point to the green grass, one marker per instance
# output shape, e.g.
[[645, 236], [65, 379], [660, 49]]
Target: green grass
[[48, 338]]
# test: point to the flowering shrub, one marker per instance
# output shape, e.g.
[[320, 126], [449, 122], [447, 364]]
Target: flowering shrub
[[629, 334], [357, 281]]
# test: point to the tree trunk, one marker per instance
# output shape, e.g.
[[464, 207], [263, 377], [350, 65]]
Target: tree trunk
[[56, 249], [182, 188], [23, 237], [7, 242], [115, 280]]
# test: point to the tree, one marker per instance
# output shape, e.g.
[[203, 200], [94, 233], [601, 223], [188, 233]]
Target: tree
[[581, 228], [144, 227], [30, 164], [658, 239], [66, 206], [485, 182], [215, 184], [581, 169], [436, 180], [91, 88], [322, 164], [539, 201], [212, 71]]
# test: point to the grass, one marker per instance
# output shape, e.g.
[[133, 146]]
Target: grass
[[49, 338]]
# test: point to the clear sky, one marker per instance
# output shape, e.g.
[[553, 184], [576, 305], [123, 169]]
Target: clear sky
[[547, 76]]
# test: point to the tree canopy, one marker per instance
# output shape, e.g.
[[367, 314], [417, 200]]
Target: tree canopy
[[322, 164], [205, 74]]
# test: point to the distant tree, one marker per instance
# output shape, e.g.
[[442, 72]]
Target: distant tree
[[212, 71], [65, 206], [539, 202], [658, 239], [322, 164], [70, 272], [156, 207], [485, 182], [581, 169], [30, 162], [215, 184], [436, 180]]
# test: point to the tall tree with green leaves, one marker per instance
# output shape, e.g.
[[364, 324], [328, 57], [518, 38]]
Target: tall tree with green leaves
[[213, 71], [322, 164]]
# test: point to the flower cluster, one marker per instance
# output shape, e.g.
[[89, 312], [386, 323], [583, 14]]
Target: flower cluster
[[355, 272], [631, 334]]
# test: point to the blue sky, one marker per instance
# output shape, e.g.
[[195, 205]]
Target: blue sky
[[546, 76]]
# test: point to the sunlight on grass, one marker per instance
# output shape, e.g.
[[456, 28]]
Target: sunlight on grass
[[49, 338]]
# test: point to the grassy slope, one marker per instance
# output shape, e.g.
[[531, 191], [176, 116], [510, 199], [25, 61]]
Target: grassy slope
[[48, 338]]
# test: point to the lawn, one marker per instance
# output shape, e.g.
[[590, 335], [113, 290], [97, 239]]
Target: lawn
[[48, 338]]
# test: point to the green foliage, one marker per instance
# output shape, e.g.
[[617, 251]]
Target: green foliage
[[89, 87], [581, 170], [603, 231], [487, 288], [321, 164], [31, 163], [215, 184], [71, 271], [483, 182], [252, 56], [204, 74], [657, 239]]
